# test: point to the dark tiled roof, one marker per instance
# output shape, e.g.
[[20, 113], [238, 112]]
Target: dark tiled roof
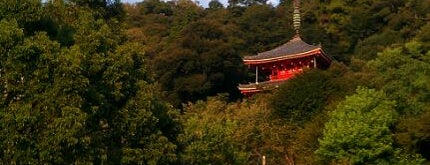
[[292, 47]]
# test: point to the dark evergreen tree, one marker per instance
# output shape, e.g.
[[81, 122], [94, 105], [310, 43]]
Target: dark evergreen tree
[[215, 4]]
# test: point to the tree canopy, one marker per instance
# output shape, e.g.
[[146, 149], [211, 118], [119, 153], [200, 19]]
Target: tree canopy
[[92, 101], [358, 131], [155, 82]]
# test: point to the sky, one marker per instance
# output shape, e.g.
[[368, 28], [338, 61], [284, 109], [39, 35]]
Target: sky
[[204, 3]]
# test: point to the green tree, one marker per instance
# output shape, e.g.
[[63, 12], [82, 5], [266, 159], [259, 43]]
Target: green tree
[[413, 134], [219, 132], [24, 11], [236, 3], [308, 93], [92, 102], [358, 131], [202, 63], [106, 8], [403, 72], [302, 96], [209, 135], [424, 36], [262, 28], [215, 4], [368, 48]]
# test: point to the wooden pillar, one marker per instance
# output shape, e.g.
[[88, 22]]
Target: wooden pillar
[[263, 161], [256, 74], [315, 62]]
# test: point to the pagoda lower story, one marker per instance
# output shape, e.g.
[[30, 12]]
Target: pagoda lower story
[[284, 70]]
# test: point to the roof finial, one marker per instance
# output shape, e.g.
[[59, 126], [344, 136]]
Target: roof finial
[[296, 16]]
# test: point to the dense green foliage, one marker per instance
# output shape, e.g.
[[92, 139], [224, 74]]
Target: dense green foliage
[[219, 132], [101, 82], [302, 97], [91, 102], [358, 130], [195, 53]]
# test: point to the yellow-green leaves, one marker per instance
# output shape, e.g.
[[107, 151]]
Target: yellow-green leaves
[[23, 11], [358, 131]]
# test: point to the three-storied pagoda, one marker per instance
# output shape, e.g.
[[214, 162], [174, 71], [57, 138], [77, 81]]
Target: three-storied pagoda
[[283, 62]]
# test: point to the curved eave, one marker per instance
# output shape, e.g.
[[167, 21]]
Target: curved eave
[[250, 91], [290, 56], [247, 88], [326, 57]]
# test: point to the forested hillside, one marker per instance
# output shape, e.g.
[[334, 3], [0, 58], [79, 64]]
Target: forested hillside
[[101, 82]]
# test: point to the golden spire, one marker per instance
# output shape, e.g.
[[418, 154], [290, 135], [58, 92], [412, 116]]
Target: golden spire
[[296, 16]]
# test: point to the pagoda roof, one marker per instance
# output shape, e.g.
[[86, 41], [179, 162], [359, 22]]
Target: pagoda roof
[[294, 48]]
